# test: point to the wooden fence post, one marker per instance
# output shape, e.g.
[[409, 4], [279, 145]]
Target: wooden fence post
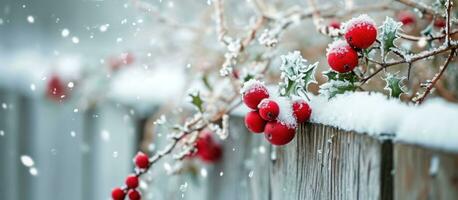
[[422, 173], [327, 163]]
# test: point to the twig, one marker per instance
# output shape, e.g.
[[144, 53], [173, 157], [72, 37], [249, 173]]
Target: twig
[[421, 98], [418, 5], [416, 57]]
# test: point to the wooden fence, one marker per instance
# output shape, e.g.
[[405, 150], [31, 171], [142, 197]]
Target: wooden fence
[[320, 163]]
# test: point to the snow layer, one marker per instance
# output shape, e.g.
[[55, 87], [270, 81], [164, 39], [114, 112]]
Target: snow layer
[[433, 124], [338, 47], [361, 20]]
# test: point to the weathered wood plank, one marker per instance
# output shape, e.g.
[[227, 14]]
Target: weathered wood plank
[[327, 163], [422, 173]]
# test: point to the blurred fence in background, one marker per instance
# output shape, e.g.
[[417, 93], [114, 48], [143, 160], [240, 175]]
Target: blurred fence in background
[[82, 155]]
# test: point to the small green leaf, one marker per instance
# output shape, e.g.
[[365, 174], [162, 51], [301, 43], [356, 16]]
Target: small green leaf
[[197, 101], [390, 29], [394, 84], [207, 82]]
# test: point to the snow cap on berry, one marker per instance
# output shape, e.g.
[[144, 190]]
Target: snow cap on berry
[[358, 21], [286, 115], [252, 85], [338, 46]]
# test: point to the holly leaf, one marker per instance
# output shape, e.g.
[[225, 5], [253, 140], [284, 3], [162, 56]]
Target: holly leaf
[[296, 74], [394, 84], [333, 87], [390, 29], [333, 75], [338, 83], [197, 101]]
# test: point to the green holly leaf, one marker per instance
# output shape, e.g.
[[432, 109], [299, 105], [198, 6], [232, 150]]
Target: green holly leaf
[[296, 74], [394, 84], [197, 101], [333, 87], [333, 75], [338, 83], [390, 29]]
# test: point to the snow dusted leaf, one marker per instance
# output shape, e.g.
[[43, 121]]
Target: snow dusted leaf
[[296, 75], [197, 101], [338, 83], [394, 84], [389, 28], [333, 87], [333, 75]]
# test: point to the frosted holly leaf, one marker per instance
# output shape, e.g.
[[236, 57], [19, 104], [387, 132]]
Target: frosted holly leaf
[[296, 74], [197, 101], [333, 75], [388, 35], [394, 84], [334, 87]]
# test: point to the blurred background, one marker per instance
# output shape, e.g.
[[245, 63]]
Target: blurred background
[[82, 82]]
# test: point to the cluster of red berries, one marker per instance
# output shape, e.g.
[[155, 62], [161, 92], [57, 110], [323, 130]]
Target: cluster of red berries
[[264, 116], [208, 150], [359, 33], [132, 181]]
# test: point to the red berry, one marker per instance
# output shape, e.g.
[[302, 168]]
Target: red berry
[[254, 122], [118, 61], [207, 149], [279, 134], [253, 93], [341, 57], [117, 194], [334, 24], [302, 111], [439, 23], [268, 109], [406, 18], [56, 88], [132, 181], [141, 160], [134, 195], [360, 32]]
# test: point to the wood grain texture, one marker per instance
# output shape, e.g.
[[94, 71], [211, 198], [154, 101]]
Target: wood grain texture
[[326, 163], [422, 173]]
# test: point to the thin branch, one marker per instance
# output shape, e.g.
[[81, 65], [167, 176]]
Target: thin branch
[[447, 20], [424, 9], [421, 98]]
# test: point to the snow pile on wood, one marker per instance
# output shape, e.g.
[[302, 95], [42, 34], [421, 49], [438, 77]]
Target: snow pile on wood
[[432, 124]]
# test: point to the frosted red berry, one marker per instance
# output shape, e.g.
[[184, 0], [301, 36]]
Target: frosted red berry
[[302, 111], [117, 194], [254, 122], [406, 18], [334, 24], [253, 93], [268, 109], [134, 194], [141, 160], [208, 150], [341, 57], [278, 133], [56, 88], [439, 23], [132, 181], [360, 32]]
